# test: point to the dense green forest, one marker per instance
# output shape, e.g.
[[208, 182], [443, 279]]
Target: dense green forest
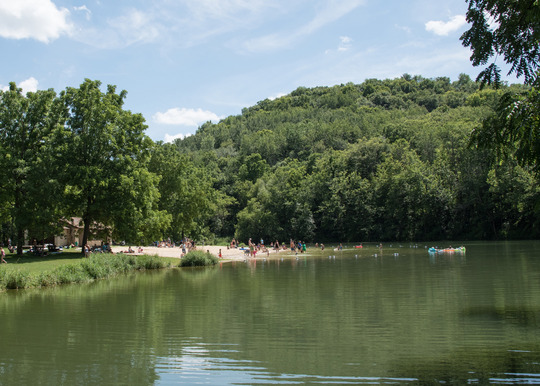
[[381, 160]]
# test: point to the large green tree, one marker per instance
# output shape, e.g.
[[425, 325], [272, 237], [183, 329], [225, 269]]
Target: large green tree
[[29, 186], [103, 155], [511, 30], [186, 191], [504, 28]]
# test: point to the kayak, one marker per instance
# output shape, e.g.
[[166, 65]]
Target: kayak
[[447, 250]]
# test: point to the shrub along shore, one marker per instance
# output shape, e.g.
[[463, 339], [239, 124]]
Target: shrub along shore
[[77, 270], [71, 266]]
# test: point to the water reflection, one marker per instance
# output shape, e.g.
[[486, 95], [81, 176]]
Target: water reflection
[[397, 317], [205, 364]]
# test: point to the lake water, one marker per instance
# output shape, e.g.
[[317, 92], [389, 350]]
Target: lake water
[[365, 316]]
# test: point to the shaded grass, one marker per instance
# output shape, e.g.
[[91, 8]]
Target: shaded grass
[[36, 264], [33, 272]]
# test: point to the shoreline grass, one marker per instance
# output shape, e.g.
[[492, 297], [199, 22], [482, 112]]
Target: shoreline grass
[[31, 272], [198, 259]]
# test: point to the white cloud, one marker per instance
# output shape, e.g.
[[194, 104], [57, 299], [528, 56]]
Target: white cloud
[[84, 8], [33, 19], [28, 85], [224, 9], [135, 26], [191, 22], [129, 27], [334, 10], [277, 96], [331, 12], [443, 29], [185, 117], [171, 138], [403, 28], [345, 43]]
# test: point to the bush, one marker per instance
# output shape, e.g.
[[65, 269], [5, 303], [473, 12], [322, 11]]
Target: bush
[[46, 279], [198, 259], [96, 267], [16, 280], [73, 273], [149, 262]]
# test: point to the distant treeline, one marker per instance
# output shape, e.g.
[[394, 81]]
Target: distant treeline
[[381, 160]]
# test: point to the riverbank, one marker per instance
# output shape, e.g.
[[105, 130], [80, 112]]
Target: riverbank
[[77, 270], [71, 267], [227, 254]]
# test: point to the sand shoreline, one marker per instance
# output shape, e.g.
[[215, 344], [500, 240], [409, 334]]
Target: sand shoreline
[[227, 254]]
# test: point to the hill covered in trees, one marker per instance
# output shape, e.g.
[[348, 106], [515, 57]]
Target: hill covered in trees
[[381, 160]]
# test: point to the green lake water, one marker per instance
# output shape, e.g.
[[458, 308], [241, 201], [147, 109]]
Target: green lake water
[[358, 316]]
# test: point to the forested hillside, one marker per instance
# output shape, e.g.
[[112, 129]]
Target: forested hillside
[[381, 160]]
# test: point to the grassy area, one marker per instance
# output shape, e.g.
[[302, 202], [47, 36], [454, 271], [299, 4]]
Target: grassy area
[[71, 266], [33, 264]]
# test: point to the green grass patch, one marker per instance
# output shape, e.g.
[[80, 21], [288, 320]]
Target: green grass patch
[[198, 259], [32, 272], [37, 264]]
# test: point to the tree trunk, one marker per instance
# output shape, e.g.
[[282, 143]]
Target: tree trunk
[[17, 206], [86, 231], [20, 239], [86, 219]]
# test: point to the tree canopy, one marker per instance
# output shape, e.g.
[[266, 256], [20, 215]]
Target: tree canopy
[[29, 189], [104, 163], [380, 160], [511, 30]]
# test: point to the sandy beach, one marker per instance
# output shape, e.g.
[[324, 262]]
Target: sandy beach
[[227, 254]]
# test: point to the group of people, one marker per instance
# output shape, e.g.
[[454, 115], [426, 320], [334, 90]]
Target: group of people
[[187, 245], [254, 248], [131, 250], [297, 246], [165, 243]]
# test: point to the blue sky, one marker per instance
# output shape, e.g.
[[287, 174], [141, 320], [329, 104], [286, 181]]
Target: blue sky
[[184, 62]]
